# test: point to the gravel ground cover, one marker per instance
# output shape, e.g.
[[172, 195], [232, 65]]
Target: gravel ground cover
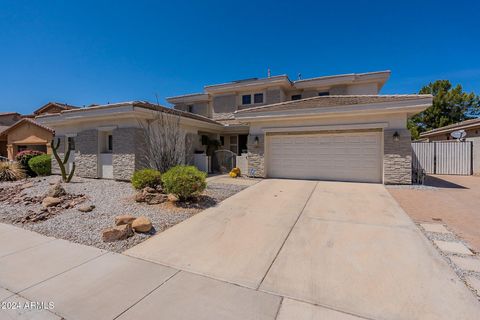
[[111, 198], [462, 274]]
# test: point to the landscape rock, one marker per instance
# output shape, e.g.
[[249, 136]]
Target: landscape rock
[[117, 233], [86, 208], [172, 198], [56, 191], [142, 224], [140, 197], [149, 190], [124, 219], [51, 202], [155, 198], [26, 185]]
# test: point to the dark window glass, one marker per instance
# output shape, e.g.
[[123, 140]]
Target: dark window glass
[[247, 99], [222, 140], [321, 94], [258, 98], [71, 143], [110, 142], [296, 97], [190, 108]]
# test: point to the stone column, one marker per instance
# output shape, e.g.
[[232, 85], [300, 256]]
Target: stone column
[[86, 155], [255, 156], [128, 152], [397, 157]]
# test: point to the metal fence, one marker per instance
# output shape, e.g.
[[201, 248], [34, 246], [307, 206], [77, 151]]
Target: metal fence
[[443, 157]]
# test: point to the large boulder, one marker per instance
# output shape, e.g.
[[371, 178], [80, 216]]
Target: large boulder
[[56, 191], [124, 219], [51, 202], [142, 224], [117, 233]]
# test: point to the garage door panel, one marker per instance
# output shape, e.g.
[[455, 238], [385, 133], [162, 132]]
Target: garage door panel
[[347, 156]]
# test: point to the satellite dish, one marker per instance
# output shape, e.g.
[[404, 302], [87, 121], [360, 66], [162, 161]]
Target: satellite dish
[[459, 134]]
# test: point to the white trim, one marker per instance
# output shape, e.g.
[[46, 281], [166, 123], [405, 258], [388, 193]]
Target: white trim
[[70, 135], [416, 105], [378, 125], [107, 128]]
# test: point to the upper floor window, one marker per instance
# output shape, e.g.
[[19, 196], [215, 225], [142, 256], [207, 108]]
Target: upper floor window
[[296, 97], [324, 93], [258, 98], [109, 143], [190, 108], [246, 99]]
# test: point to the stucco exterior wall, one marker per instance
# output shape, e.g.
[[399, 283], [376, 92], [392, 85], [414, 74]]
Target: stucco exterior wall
[[363, 88], [225, 103], [273, 96]]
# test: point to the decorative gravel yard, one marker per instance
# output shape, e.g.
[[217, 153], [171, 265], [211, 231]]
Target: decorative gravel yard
[[21, 200]]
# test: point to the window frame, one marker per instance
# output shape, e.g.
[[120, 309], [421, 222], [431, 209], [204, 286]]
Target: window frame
[[323, 93], [258, 94], [296, 97], [249, 99]]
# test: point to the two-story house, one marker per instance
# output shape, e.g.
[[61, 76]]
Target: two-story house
[[331, 128]]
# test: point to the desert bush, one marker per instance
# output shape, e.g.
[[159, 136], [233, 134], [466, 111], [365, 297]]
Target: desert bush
[[184, 181], [23, 157], [41, 165], [146, 178], [11, 171]]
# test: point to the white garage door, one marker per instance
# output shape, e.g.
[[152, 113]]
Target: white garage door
[[353, 156]]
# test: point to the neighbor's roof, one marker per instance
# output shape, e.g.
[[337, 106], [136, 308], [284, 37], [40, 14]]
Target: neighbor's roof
[[139, 104], [62, 106], [20, 122], [452, 127], [332, 101], [8, 113]]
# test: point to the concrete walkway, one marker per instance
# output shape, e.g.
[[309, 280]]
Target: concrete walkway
[[280, 249]]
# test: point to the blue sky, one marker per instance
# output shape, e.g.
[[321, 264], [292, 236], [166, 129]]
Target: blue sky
[[84, 52]]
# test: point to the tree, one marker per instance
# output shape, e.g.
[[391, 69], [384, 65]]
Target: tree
[[166, 142], [66, 176], [450, 105]]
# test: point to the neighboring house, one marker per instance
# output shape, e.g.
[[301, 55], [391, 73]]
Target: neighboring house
[[331, 128], [22, 132], [471, 127]]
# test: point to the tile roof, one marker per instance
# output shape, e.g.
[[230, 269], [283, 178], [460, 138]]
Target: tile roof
[[19, 122], [63, 106], [331, 101], [453, 127]]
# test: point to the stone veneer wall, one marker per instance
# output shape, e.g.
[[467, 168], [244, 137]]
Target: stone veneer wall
[[128, 156], [86, 144], [255, 156], [397, 158]]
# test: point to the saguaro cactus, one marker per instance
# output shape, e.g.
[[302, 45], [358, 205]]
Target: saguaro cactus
[[66, 177]]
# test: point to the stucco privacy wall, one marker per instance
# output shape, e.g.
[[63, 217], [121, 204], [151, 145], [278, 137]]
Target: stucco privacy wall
[[397, 157], [128, 146]]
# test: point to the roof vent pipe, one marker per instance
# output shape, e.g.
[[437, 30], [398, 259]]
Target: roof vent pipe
[[269, 74]]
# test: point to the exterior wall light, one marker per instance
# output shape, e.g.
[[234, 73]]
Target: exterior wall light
[[396, 136], [255, 141]]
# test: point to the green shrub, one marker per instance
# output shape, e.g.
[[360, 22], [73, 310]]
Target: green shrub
[[11, 171], [146, 178], [23, 157], [184, 181], [41, 165]]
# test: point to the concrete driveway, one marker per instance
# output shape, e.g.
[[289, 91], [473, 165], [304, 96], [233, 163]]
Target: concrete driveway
[[331, 250]]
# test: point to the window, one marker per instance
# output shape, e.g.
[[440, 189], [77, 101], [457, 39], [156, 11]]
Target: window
[[71, 143], [246, 99], [296, 97], [109, 143], [222, 140], [324, 93], [258, 98], [21, 148], [190, 108]]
